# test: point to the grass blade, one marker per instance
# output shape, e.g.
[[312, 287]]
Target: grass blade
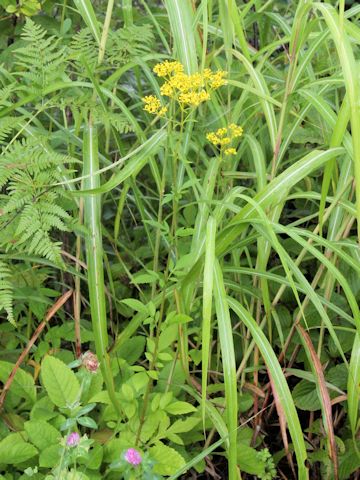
[[94, 249], [207, 307], [229, 367], [280, 384], [86, 10], [181, 20]]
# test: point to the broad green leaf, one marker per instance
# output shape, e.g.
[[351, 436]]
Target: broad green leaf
[[23, 383], [42, 434], [168, 460], [132, 349], [135, 305], [60, 382], [13, 449], [249, 462], [349, 462], [183, 426], [50, 456], [180, 408], [306, 397]]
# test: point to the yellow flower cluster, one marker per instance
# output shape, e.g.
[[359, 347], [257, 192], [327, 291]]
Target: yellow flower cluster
[[217, 79], [224, 136], [153, 105], [167, 68], [188, 90], [194, 99], [230, 151]]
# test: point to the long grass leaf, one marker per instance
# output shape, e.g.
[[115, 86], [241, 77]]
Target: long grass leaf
[[181, 21], [207, 307], [86, 10], [95, 271], [280, 384], [229, 366]]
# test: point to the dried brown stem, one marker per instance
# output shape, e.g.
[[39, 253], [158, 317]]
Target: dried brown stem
[[57, 305]]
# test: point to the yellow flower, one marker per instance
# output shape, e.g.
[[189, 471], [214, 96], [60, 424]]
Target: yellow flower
[[162, 111], [221, 132], [180, 82], [230, 151], [213, 138], [236, 131], [153, 105], [167, 68], [203, 96], [217, 79], [207, 74], [224, 136], [196, 80], [193, 98], [225, 141], [188, 90], [166, 89]]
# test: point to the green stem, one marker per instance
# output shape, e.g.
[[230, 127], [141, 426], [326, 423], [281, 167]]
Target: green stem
[[105, 31]]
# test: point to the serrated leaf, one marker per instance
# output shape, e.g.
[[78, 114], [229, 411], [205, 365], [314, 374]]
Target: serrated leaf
[[305, 396], [23, 383], [173, 437], [183, 426], [180, 408], [135, 305], [14, 450], [60, 382], [50, 456], [101, 397], [42, 434], [168, 460], [248, 460]]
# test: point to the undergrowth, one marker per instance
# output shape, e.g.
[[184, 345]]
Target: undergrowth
[[179, 248]]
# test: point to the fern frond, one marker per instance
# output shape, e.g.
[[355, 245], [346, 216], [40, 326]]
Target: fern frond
[[41, 60], [7, 125], [6, 291], [83, 47], [5, 94], [32, 206], [128, 42], [120, 123], [115, 119], [33, 230]]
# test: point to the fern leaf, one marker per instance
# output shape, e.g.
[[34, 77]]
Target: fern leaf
[[41, 60], [6, 291]]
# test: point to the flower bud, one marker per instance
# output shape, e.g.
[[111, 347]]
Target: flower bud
[[73, 439], [132, 456], [90, 361]]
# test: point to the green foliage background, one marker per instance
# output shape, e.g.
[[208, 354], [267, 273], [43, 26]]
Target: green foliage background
[[219, 293]]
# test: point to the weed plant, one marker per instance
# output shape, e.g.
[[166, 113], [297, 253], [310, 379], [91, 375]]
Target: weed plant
[[179, 247]]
